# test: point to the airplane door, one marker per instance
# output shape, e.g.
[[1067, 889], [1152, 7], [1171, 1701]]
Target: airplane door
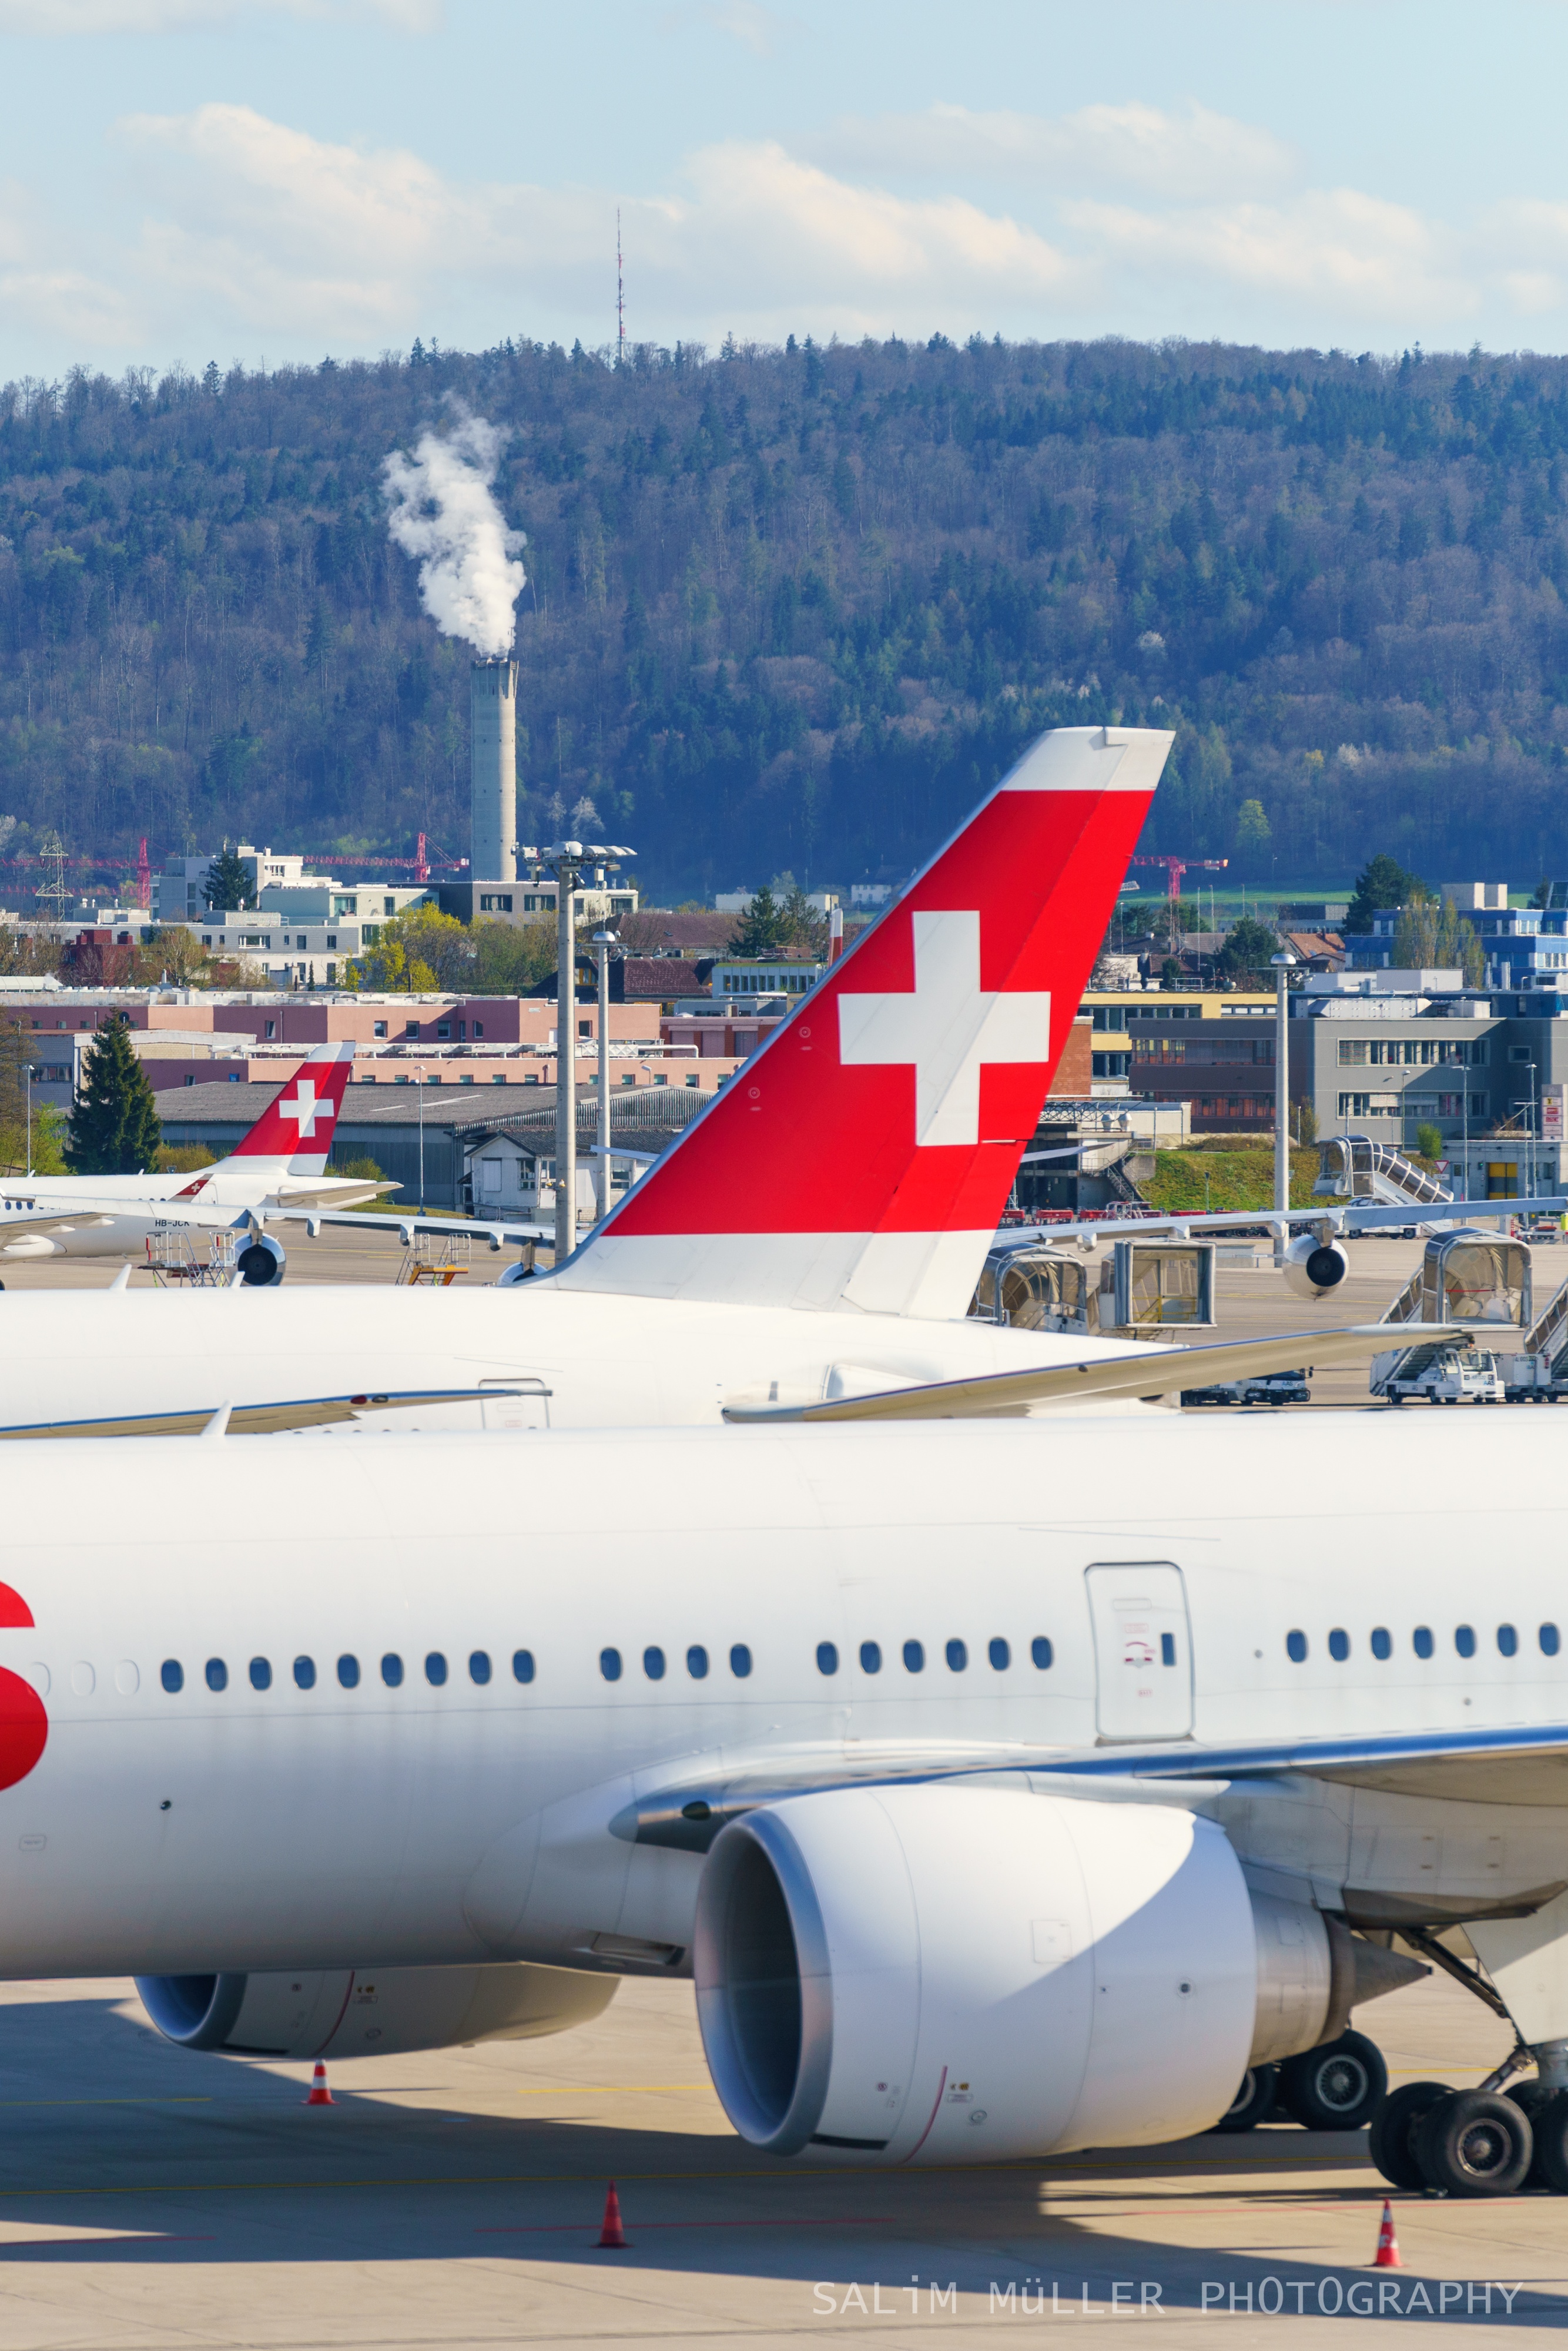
[[1143, 1652]]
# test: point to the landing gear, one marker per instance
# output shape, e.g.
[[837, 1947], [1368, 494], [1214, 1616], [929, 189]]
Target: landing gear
[[1252, 2100], [1547, 2111], [1473, 2143], [1339, 2087], [1394, 2127]]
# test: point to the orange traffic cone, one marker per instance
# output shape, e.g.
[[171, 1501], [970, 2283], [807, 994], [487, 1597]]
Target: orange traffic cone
[[1387, 2255], [320, 2095], [613, 2236]]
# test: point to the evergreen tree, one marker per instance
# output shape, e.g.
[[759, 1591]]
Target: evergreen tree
[[228, 882], [762, 927], [1381, 884], [115, 1128], [803, 929]]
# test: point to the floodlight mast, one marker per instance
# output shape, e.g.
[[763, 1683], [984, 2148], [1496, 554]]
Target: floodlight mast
[[566, 860]]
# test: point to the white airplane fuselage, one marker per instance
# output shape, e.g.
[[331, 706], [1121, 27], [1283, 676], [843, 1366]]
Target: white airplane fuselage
[[590, 1359], [119, 1213], [512, 1642]]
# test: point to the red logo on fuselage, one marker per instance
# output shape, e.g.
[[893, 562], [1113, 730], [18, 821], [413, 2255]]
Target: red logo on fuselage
[[24, 1724]]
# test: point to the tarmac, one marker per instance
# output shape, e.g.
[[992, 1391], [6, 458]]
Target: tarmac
[[153, 2197]]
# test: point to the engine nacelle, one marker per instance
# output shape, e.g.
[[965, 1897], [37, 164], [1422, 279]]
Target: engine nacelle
[[1314, 1267], [370, 2011], [945, 1975], [260, 1264]]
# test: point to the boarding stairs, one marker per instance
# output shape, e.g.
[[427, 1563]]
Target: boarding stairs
[[436, 1260], [172, 1261], [1353, 1167]]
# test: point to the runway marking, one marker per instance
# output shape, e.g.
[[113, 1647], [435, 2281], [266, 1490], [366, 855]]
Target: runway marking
[[610, 2089], [584, 2228]]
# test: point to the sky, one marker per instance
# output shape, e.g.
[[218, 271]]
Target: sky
[[269, 181]]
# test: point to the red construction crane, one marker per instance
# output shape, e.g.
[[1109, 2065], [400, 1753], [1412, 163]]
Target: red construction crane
[[1176, 867]]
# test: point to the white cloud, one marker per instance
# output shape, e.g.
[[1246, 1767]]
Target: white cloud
[[1367, 259], [755, 28], [1195, 155], [67, 18], [247, 233]]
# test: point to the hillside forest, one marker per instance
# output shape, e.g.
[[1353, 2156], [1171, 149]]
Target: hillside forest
[[790, 611]]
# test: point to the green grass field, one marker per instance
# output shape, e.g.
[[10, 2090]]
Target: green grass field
[[1239, 1175]]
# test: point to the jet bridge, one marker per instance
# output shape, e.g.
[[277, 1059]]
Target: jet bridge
[[1133, 1288], [1464, 1275]]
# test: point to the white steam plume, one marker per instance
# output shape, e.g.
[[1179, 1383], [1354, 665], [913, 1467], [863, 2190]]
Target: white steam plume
[[442, 513]]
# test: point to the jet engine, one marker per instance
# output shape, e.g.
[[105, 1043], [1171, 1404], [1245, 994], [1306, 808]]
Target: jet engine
[[370, 2011], [261, 1263], [950, 1974], [1314, 1267]]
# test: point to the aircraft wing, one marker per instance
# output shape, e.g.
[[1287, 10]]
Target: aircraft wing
[[1338, 1215], [1143, 1371], [1505, 1766], [63, 1220], [339, 1195], [269, 1419], [405, 1227]]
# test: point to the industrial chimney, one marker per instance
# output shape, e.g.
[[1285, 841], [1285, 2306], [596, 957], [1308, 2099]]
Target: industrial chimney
[[494, 735]]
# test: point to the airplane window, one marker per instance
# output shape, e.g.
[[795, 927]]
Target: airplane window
[[958, 1657], [304, 1672], [1000, 1655], [1041, 1650], [1296, 1647], [610, 1663], [479, 1665], [1339, 1645], [391, 1671], [1548, 1638], [522, 1664], [1381, 1641], [436, 1669], [827, 1658], [654, 1664], [1167, 1649], [871, 1658], [1465, 1640], [740, 1661], [217, 1674], [1507, 1641], [696, 1662], [349, 1672], [915, 1656], [1421, 1640], [260, 1674], [171, 1674]]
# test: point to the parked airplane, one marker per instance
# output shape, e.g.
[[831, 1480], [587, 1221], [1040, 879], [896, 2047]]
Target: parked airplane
[[280, 1163], [998, 1806]]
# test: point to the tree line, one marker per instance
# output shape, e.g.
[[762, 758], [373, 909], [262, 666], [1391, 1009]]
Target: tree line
[[799, 608]]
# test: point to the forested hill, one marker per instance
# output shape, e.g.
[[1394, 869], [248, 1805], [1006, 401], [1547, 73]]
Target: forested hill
[[793, 610]]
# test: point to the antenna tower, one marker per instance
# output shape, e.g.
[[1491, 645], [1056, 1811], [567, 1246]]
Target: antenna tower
[[620, 297], [56, 892]]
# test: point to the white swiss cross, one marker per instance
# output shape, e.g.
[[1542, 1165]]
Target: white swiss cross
[[949, 1027], [306, 1109]]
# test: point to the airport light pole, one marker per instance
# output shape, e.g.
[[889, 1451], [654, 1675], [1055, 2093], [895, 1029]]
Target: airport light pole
[[566, 860], [1283, 965], [603, 941]]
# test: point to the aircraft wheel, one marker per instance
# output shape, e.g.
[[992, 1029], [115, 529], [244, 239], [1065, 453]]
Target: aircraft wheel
[[1252, 2100], [1474, 2143], [1548, 2113], [1394, 2127], [1338, 2086]]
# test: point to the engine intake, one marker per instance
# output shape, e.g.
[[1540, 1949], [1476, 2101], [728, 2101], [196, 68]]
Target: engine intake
[[370, 2011]]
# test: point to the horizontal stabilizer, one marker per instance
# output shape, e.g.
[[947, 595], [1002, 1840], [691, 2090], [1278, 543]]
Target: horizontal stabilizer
[[1146, 1371]]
